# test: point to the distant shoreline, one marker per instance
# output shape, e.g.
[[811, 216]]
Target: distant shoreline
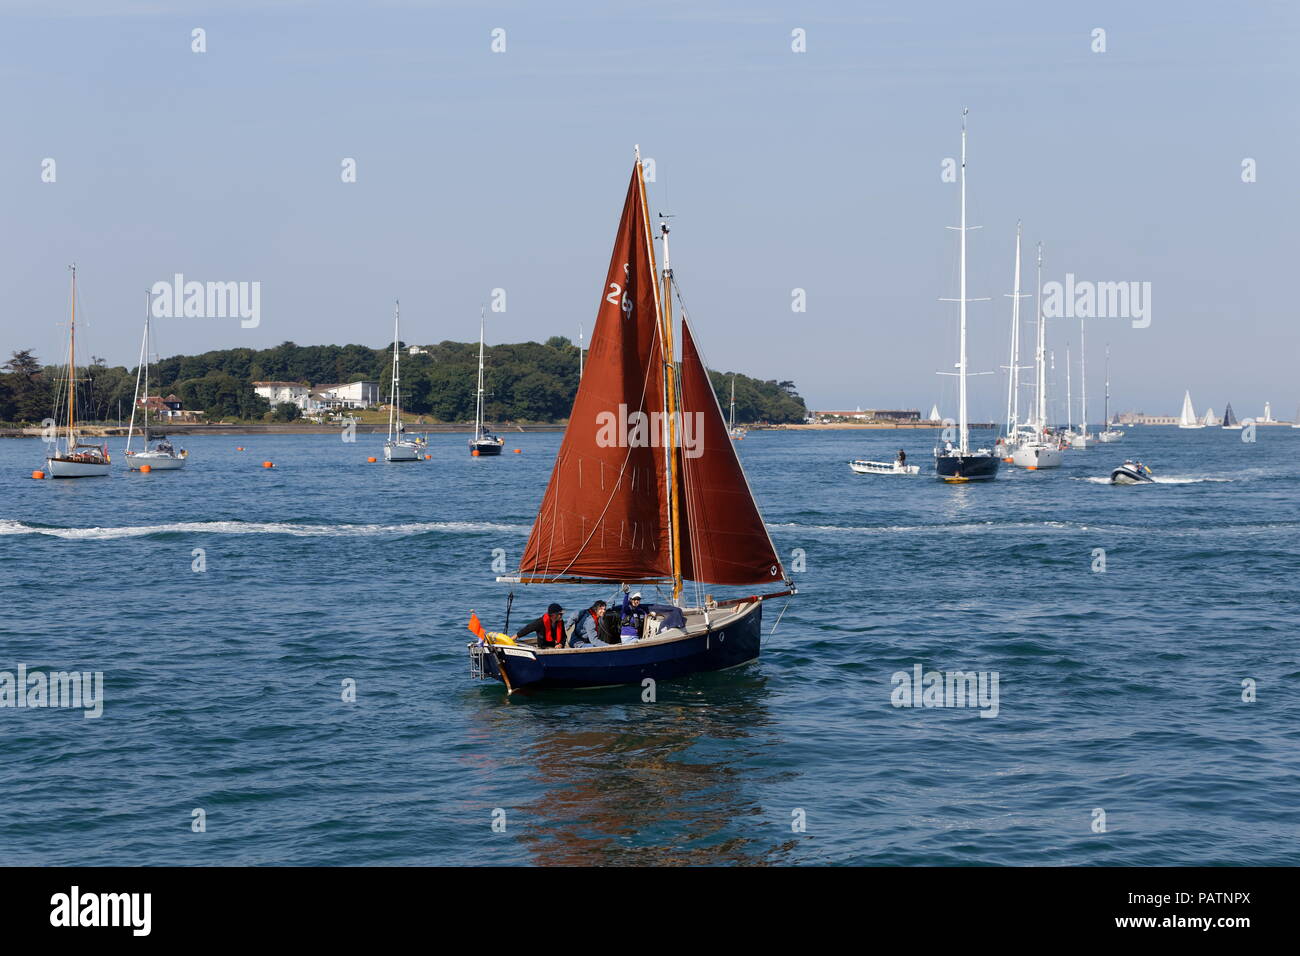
[[283, 428]]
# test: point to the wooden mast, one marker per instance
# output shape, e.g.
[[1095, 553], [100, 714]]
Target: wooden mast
[[664, 310]]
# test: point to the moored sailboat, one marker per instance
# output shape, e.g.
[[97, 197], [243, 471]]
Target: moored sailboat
[[1034, 447], [1230, 419], [484, 442], [647, 489], [961, 462], [732, 429], [1110, 434], [158, 454], [398, 447], [78, 459]]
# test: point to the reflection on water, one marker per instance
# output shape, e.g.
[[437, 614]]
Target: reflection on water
[[668, 781]]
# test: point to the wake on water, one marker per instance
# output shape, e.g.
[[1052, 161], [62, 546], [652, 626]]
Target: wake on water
[[9, 527]]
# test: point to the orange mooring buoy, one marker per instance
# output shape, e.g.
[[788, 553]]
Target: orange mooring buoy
[[38, 474], [519, 451], [239, 448], [145, 469], [474, 452], [372, 459], [427, 457], [267, 464]]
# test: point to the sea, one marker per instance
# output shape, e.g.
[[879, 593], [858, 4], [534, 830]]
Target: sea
[[285, 677]]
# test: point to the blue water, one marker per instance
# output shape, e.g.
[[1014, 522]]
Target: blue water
[[1119, 691]]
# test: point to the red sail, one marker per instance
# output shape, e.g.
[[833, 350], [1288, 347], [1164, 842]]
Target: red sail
[[724, 540], [604, 514]]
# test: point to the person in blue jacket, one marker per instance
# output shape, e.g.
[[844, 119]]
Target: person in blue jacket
[[632, 624]]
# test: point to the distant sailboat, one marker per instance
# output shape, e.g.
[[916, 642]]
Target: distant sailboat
[[484, 442], [1187, 419], [79, 459], [1035, 448], [638, 497], [163, 456], [398, 447], [1110, 434], [732, 429], [1209, 421], [962, 463], [934, 414], [1229, 419]]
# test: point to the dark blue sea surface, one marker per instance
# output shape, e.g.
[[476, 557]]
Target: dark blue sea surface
[[1120, 691]]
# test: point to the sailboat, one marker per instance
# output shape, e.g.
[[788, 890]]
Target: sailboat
[[398, 447], [1209, 421], [162, 456], [1009, 439], [732, 429], [1110, 434], [1229, 419], [484, 442], [963, 463], [1080, 440], [647, 489], [1034, 448], [934, 414], [1187, 418], [79, 459]]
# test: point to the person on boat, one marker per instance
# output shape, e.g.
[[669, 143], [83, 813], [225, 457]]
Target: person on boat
[[585, 625], [633, 622], [549, 628], [902, 458], [610, 623]]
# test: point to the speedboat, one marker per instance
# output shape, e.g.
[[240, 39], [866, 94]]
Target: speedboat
[[895, 467], [163, 456], [1131, 473]]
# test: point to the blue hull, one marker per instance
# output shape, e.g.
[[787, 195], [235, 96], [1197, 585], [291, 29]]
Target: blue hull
[[718, 649]]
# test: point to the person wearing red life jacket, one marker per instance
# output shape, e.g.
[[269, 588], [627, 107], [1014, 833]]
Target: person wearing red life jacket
[[549, 628]]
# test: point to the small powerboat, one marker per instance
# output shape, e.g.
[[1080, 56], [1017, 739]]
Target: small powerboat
[[864, 467], [1131, 473]]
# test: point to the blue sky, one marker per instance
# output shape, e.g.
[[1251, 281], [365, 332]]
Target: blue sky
[[818, 170]]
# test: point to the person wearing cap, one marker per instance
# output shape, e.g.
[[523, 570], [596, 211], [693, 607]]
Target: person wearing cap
[[549, 628], [633, 621]]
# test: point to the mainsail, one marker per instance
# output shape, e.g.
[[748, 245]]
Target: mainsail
[[1188, 416], [647, 455], [1229, 419]]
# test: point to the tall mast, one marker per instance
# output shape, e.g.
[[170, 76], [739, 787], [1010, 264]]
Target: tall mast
[[731, 420], [478, 404], [1107, 408], [1040, 356], [1069, 394], [579, 351], [146, 378], [1083, 381], [963, 425], [663, 301], [1013, 382], [135, 399], [72, 362], [394, 413]]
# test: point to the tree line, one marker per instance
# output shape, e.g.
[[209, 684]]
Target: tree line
[[524, 382]]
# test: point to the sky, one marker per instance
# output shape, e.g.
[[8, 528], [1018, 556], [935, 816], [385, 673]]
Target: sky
[[819, 171]]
